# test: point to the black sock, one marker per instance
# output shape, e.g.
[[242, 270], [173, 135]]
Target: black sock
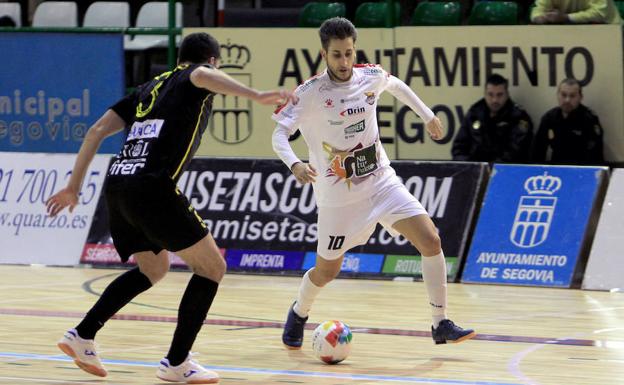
[[116, 295], [192, 312]]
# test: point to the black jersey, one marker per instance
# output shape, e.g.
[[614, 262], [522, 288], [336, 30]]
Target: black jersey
[[166, 118]]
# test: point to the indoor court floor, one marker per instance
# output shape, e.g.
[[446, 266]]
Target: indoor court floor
[[533, 336]]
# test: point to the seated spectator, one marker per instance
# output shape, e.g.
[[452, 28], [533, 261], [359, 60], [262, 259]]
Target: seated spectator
[[575, 12], [495, 129], [570, 133]]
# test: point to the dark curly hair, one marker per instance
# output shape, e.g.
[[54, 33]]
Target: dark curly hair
[[198, 48], [336, 28]]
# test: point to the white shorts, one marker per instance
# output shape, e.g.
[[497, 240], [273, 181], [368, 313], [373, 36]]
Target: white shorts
[[342, 228]]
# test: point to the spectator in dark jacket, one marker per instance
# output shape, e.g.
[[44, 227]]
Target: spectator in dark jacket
[[570, 133], [495, 129]]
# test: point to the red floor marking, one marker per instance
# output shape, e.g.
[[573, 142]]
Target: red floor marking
[[310, 326]]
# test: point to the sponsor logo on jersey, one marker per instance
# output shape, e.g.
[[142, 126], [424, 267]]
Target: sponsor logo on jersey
[[328, 103], [357, 127], [146, 129], [353, 111], [372, 71], [370, 97], [335, 122], [357, 162], [138, 149], [305, 86], [346, 100], [126, 166]]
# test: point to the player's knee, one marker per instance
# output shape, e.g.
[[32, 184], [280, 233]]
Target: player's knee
[[220, 266], [430, 244], [327, 274], [335, 272], [212, 267], [155, 271]]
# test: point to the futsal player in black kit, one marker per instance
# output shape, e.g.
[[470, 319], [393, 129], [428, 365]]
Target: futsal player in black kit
[[166, 118]]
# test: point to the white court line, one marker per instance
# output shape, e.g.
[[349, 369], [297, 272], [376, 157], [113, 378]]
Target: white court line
[[514, 363], [607, 330], [295, 373], [607, 309], [18, 358]]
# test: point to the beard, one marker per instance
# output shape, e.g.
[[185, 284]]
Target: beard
[[336, 77]]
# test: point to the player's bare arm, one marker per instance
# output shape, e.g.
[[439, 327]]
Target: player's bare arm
[[221, 83], [109, 124]]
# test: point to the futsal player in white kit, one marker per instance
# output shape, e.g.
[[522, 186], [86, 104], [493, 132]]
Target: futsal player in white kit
[[354, 186]]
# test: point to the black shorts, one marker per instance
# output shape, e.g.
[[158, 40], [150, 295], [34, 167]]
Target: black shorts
[[149, 213]]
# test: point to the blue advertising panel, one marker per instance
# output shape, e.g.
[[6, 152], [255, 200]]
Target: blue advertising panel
[[533, 225], [54, 86], [352, 263], [251, 260]]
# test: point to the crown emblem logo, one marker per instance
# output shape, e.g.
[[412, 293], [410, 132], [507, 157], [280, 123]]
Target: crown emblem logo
[[542, 184], [234, 55]]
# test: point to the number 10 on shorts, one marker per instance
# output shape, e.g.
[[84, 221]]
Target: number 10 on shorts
[[335, 242]]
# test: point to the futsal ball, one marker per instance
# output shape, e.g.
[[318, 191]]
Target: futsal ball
[[331, 342]]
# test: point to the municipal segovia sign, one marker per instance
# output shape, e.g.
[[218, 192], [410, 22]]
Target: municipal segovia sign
[[535, 225]]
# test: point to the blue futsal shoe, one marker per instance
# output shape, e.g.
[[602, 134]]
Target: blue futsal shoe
[[447, 331], [292, 336]]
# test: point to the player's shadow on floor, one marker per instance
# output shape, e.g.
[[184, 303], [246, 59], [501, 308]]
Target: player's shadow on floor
[[420, 368]]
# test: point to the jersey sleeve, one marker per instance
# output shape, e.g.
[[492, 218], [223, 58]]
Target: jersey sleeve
[[292, 115], [404, 93], [374, 71], [126, 107], [398, 89], [282, 147], [386, 78]]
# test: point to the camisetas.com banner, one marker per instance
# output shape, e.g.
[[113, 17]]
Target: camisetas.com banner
[[258, 205]]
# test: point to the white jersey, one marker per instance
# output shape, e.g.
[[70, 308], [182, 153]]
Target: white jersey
[[339, 124]]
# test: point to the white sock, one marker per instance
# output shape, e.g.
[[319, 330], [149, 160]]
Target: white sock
[[307, 294], [434, 275]]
